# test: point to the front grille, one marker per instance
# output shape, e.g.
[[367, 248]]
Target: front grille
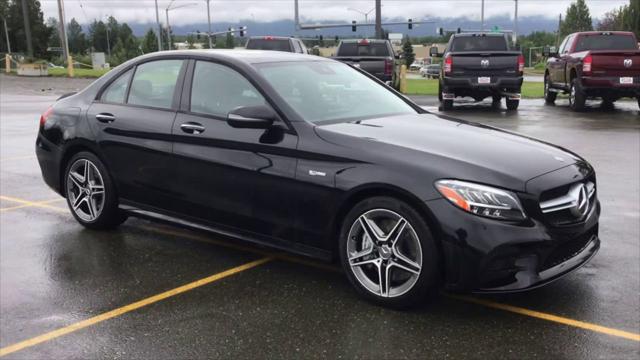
[[569, 203], [567, 250]]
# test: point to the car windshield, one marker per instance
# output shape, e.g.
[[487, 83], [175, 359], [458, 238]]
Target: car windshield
[[606, 42], [324, 91], [479, 43], [363, 49], [269, 44]]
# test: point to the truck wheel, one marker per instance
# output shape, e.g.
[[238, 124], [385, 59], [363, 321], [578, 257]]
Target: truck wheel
[[439, 92], [495, 102], [577, 99], [607, 103], [638, 98], [447, 105], [549, 96], [512, 104]]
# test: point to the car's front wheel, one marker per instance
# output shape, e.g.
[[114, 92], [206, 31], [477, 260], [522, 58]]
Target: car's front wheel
[[90, 193], [388, 253], [549, 96]]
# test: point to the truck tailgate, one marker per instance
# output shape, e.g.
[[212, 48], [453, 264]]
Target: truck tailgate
[[372, 65], [502, 63], [616, 63]]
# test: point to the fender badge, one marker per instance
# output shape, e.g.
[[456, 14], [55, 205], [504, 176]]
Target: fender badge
[[317, 173]]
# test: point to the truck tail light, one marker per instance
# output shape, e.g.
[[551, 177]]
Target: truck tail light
[[586, 64], [388, 66], [448, 64], [45, 115], [520, 64]]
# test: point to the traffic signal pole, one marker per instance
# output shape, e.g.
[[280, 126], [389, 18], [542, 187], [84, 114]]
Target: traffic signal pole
[[378, 19]]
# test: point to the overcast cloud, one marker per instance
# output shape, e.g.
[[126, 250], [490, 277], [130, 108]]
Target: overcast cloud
[[194, 11]]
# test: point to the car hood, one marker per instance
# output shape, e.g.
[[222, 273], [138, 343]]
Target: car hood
[[452, 148]]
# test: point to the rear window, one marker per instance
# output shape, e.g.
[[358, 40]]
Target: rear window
[[479, 43], [269, 44], [370, 49], [606, 42]]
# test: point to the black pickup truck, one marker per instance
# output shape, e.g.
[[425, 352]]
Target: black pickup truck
[[373, 56], [480, 65]]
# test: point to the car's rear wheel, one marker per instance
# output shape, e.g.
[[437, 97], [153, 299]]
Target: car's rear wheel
[[90, 193], [388, 253], [549, 96], [577, 98]]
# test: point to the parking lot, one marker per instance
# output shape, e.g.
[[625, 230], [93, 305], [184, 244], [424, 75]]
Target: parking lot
[[158, 291]]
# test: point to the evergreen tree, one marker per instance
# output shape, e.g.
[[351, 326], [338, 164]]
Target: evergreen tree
[[126, 46], [576, 19], [229, 43], [54, 37], [98, 36], [76, 38], [40, 32], [149, 42], [407, 49]]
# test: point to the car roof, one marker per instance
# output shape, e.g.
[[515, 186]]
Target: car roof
[[376, 41], [245, 56], [479, 34], [269, 37], [602, 32]]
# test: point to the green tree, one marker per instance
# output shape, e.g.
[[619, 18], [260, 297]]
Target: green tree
[[149, 42], [631, 17], [40, 32], [229, 42], [126, 46], [98, 36], [576, 19], [54, 37], [407, 49], [76, 38]]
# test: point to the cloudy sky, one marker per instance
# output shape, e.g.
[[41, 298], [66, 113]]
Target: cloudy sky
[[194, 11]]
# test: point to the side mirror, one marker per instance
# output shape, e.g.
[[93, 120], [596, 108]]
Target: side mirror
[[251, 117], [433, 52], [549, 51]]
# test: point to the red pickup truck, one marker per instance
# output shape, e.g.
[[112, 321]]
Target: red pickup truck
[[593, 64]]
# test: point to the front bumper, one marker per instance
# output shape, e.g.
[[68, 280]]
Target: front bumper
[[489, 256]]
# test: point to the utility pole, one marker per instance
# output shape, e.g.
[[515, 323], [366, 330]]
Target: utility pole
[[63, 30], [166, 13], [6, 34], [209, 21], [159, 28], [482, 16], [108, 43], [27, 27], [378, 19], [515, 30], [558, 33]]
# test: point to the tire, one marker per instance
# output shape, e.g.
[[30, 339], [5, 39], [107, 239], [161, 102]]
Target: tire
[[496, 101], [411, 258], [447, 104], [512, 104], [91, 194], [638, 98], [549, 96], [440, 92], [577, 98], [607, 104]]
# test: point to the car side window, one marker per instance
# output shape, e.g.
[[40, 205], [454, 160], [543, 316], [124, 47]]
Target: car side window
[[562, 45], [117, 90], [154, 83], [218, 89]]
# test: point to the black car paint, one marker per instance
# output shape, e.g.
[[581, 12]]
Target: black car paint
[[289, 186]]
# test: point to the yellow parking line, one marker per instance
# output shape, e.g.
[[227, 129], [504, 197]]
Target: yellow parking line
[[26, 203], [128, 308], [550, 317], [505, 307], [10, 158]]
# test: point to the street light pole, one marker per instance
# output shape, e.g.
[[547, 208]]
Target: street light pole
[[482, 16], [63, 32], [209, 21], [6, 34], [159, 28], [366, 14], [27, 27], [515, 30], [166, 10], [108, 43], [378, 19]]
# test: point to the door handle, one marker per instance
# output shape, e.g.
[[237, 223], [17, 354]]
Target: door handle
[[105, 117], [192, 128]]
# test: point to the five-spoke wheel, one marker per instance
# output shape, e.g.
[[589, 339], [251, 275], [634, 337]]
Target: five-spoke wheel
[[388, 252]]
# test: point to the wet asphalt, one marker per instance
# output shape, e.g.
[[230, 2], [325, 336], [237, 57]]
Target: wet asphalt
[[54, 273]]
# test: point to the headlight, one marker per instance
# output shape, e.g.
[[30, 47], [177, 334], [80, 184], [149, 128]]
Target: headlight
[[481, 200]]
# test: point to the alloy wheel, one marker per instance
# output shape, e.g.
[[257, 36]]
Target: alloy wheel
[[572, 95], [85, 189], [384, 253]]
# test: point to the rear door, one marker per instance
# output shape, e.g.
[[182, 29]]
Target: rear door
[[228, 176], [133, 117]]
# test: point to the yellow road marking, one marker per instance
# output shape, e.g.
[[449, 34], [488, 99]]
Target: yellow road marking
[[20, 157], [487, 303], [550, 317], [128, 308], [26, 203]]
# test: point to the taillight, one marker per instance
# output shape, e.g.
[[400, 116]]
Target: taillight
[[520, 63], [586, 64], [268, 37], [388, 66], [448, 64], [364, 42], [45, 115]]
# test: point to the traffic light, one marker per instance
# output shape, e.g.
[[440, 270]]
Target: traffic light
[[353, 26], [198, 34], [337, 39], [410, 24], [440, 31], [242, 30], [459, 30], [321, 38]]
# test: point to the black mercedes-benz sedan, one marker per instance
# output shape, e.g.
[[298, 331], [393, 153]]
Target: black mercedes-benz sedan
[[319, 158]]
